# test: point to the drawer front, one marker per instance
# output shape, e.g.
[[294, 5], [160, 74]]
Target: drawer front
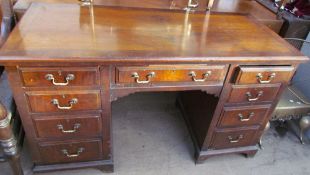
[[264, 74], [243, 116], [68, 126], [171, 73], [61, 152], [63, 101], [250, 94], [59, 77], [231, 139]]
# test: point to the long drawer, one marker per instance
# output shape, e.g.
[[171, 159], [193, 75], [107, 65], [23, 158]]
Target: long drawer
[[171, 73], [59, 77], [79, 151], [243, 116], [69, 126], [231, 139], [60, 101], [253, 93], [264, 74]]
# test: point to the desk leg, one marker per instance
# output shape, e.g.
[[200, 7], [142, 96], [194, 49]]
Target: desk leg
[[8, 142]]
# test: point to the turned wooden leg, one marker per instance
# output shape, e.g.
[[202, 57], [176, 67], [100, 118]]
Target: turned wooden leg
[[304, 124], [8, 142]]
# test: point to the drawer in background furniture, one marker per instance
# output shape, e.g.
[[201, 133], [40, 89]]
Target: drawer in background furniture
[[243, 116], [79, 151], [231, 139], [264, 74], [59, 77], [68, 126], [253, 93], [63, 101], [171, 73]]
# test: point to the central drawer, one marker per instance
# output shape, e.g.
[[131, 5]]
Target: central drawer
[[61, 152], [63, 101], [171, 73], [69, 126]]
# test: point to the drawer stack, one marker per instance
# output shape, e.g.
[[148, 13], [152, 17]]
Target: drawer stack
[[66, 108], [246, 110]]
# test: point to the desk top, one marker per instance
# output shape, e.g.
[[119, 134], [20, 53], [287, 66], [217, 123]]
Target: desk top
[[69, 32]]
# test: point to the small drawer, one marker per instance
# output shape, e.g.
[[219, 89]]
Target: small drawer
[[171, 73], [264, 74], [62, 152], [59, 77], [243, 116], [230, 139], [251, 94], [68, 126], [63, 101]]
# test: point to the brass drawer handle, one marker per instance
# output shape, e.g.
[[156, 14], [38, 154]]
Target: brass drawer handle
[[260, 93], [50, 77], [75, 128], [77, 154], [205, 76], [236, 140], [149, 76], [243, 119], [191, 4], [71, 103], [86, 2], [260, 76]]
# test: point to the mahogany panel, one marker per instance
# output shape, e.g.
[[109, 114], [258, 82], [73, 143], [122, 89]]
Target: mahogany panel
[[63, 76], [69, 126], [70, 151], [230, 139], [253, 93], [54, 101], [264, 74], [172, 73], [198, 109], [243, 116]]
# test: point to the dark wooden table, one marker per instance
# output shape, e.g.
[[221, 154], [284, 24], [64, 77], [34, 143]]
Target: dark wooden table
[[67, 63]]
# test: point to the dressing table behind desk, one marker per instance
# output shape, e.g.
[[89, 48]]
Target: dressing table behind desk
[[66, 64]]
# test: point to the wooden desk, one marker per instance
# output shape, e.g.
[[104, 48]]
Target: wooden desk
[[66, 71]]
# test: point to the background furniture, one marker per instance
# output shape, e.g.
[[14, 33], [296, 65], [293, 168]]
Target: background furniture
[[230, 75], [293, 27], [8, 141], [251, 7], [9, 121], [295, 101]]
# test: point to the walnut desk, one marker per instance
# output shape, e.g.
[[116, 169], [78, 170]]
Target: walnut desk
[[67, 63]]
